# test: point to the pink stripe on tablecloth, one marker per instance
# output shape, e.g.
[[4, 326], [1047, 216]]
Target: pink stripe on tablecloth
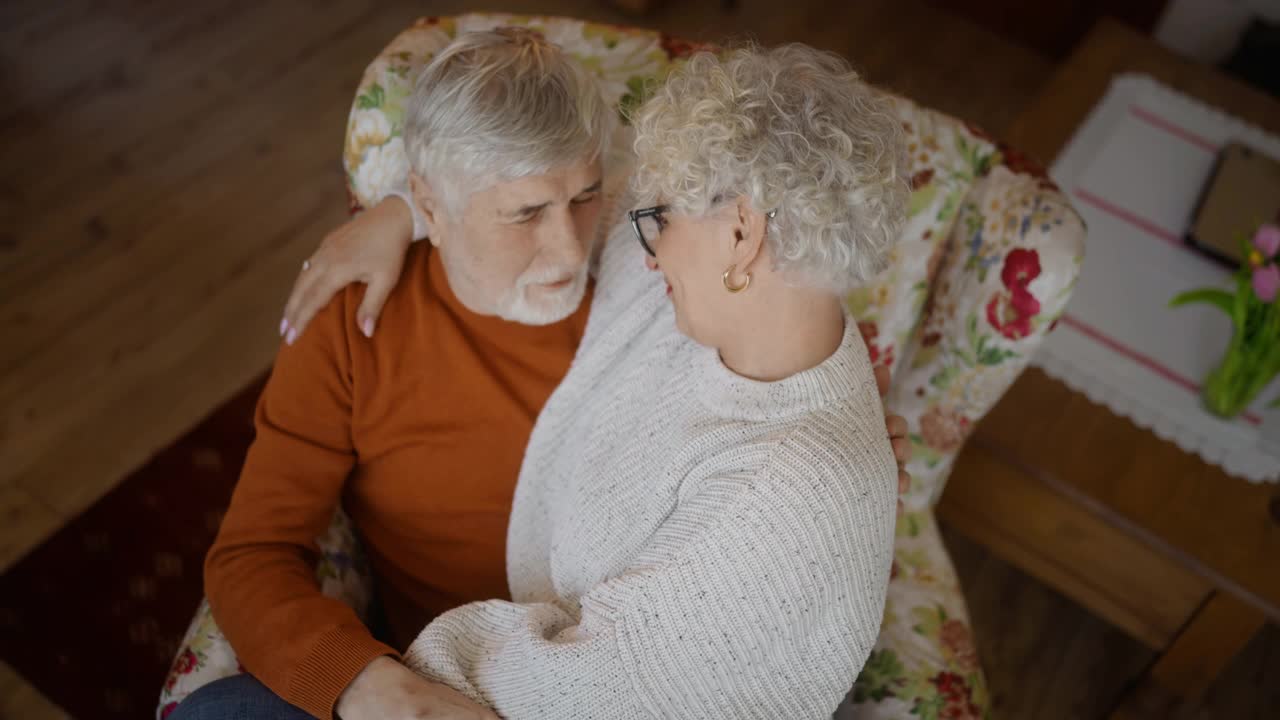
[[1175, 130], [1145, 360], [1133, 219]]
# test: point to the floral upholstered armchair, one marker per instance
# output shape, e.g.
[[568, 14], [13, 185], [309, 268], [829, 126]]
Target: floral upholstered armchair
[[986, 263]]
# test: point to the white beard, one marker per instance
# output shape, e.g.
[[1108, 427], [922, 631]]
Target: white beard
[[547, 308]]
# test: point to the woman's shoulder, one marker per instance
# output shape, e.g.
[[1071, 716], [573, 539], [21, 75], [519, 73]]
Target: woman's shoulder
[[840, 449]]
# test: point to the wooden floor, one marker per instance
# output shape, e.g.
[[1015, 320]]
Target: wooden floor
[[164, 168]]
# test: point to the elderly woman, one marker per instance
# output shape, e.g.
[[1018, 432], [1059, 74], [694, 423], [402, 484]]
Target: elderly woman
[[704, 519]]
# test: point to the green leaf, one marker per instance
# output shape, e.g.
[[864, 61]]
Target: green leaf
[[929, 620], [948, 208], [995, 356], [982, 166], [922, 198], [859, 301], [638, 90], [1239, 308], [942, 379], [372, 99], [929, 707], [1220, 299], [880, 674]]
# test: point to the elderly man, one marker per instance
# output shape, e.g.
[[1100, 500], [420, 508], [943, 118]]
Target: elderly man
[[417, 430]]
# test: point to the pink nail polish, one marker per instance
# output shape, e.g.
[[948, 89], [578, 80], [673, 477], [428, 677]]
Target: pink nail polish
[[367, 327], [284, 325], [293, 335]]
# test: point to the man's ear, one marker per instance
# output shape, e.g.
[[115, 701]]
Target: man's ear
[[428, 204], [748, 234]]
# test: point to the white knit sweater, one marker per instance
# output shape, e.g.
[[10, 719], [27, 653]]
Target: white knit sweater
[[684, 542]]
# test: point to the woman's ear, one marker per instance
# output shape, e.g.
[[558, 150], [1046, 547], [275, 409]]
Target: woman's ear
[[428, 204], [748, 234]]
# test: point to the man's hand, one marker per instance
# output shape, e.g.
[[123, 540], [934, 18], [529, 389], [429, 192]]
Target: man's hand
[[369, 248], [897, 426], [387, 690]]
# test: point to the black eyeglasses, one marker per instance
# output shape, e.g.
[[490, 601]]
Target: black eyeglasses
[[649, 222]]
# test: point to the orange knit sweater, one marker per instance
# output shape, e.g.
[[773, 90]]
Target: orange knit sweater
[[419, 433]]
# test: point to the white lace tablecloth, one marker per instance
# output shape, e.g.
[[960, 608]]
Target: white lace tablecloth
[[1135, 170]]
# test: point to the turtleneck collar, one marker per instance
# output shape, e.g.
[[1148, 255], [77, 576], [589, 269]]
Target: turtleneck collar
[[733, 395]]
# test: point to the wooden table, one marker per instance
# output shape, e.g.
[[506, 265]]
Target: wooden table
[[1181, 556]]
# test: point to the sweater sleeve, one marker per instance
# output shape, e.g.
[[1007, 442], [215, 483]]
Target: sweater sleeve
[[260, 572], [756, 599]]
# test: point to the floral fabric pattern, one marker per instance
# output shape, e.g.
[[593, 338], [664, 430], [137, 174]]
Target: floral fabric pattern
[[985, 265], [992, 288], [925, 664]]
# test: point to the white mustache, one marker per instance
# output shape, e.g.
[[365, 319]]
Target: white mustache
[[547, 276]]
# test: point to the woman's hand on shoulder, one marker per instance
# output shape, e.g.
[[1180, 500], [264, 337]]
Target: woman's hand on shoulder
[[370, 248]]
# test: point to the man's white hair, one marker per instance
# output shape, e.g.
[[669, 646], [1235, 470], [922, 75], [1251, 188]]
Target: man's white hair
[[501, 105], [795, 130]]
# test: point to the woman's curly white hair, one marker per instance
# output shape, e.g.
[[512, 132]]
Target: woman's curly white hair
[[793, 129]]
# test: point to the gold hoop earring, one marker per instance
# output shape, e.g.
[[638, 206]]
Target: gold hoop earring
[[734, 288]]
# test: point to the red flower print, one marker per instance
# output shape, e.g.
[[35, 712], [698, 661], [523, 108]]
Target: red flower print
[[1021, 266], [956, 696], [879, 355], [1005, 318], [869, 331], [167, 710], [1022, 163], [921, 178], [882, 357], [185, 663], [1011, 313], [1024, 303], [677, 48], [979, 132]]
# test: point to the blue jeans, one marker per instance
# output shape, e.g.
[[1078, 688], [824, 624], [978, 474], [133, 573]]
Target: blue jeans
[[239, 697]]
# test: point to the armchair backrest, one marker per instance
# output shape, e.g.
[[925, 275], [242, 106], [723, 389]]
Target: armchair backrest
[[987, 261]]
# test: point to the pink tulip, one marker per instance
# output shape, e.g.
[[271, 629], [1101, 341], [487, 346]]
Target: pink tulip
[[1266, 282], [1267, 241]]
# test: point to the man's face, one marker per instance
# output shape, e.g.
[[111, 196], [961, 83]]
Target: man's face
[[519, 249]]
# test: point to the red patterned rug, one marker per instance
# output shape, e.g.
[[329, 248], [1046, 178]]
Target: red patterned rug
[[93, 616]]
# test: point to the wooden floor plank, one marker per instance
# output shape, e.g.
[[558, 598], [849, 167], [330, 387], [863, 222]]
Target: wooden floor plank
[[20, 701], [25, 521], [154, 131]]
